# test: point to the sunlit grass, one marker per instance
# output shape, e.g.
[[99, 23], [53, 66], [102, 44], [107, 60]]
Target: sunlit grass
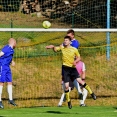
[[93, 111]]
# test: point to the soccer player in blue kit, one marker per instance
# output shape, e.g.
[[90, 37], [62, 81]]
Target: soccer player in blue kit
[[6, 56], [74, 42]]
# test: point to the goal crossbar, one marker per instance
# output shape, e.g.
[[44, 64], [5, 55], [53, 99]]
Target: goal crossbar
[[54, 30]]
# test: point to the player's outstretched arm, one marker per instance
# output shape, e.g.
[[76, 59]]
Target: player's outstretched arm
[[51, 47]]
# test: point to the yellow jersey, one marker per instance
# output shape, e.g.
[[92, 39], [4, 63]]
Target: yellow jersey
[[68, 55]]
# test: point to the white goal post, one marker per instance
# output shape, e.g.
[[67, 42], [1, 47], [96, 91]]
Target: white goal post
[[54, 30]]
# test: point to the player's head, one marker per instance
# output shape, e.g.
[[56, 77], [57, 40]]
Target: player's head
[[71, 33], [12, 42], [67, 40]]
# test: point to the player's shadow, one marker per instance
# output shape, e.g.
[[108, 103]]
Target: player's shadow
[[58, 112], [115, 107], [2, 116]]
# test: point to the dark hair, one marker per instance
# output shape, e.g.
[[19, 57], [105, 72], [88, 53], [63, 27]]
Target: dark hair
[[68, 37], [71, 31]]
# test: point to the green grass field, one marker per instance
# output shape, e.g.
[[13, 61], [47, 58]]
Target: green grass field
[[93, 111]]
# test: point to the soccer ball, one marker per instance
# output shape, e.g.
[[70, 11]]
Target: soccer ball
[[46, 24]]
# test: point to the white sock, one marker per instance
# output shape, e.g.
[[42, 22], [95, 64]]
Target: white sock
[[9, 89], [61, 100], [84, 96], [1, 92]]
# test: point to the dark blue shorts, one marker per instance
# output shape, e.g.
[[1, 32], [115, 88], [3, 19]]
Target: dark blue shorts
[[69, 73], [62, 71], [5, 74]]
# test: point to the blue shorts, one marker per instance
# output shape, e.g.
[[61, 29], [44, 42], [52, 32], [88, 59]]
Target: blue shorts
[[5, 74]]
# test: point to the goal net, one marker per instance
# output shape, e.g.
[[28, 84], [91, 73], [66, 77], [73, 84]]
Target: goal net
[[37, 74]]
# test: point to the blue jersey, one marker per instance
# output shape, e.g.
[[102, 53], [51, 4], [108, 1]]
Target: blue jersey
[[8, 55], [75, 43]]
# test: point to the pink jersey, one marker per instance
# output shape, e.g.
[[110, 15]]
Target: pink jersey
[[80, 66]]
